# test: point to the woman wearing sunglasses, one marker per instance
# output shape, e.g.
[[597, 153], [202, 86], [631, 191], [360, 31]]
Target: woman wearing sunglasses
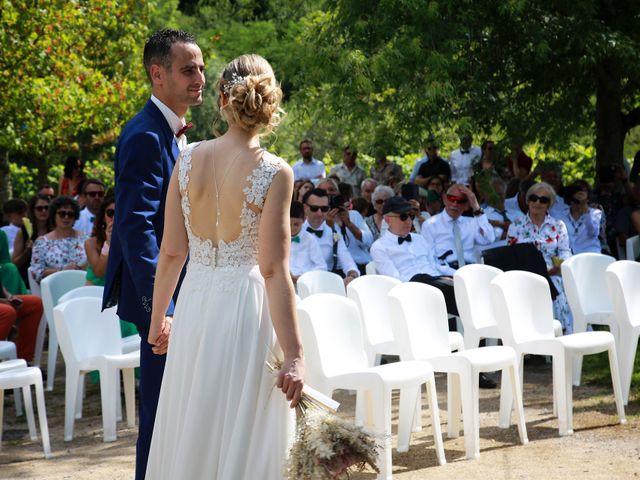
[[97, 246], [376, 222], [63, 247], [29, 232], [583, 222], [550, 236]]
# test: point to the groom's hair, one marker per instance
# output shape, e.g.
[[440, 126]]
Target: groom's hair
[[157, 50]]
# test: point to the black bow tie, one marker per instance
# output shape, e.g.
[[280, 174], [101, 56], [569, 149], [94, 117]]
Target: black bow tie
[[318, 233], [401, 240], [184, 128], [464, 151]]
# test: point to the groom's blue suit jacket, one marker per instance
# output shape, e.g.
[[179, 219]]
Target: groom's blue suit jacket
[[145, 156]]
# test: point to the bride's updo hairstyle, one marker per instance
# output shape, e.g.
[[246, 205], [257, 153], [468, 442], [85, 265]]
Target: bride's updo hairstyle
[[252, 92]]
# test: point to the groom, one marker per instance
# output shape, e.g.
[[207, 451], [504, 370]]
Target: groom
[[146, 154]]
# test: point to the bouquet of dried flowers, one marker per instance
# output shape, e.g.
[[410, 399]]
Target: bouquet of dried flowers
[[326, 446]]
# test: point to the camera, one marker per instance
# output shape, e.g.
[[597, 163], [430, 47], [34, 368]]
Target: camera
[[337, 201]]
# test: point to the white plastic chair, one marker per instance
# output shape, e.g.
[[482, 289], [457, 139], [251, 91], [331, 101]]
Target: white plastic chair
[[52, 288], [90, 340], [34, 287], [23, 378], [370, 268], [524, 310], [586, 289], [7, 365], [336, 359], [633, 248], [320, 281], [421, 329], [623, 280]]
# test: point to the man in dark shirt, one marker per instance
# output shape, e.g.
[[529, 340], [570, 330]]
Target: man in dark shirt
[[434, 165]]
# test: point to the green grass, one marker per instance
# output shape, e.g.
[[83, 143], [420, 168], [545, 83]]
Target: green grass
[[595, 371]]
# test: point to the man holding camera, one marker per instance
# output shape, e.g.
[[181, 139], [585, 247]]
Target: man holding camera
[[334, 250]]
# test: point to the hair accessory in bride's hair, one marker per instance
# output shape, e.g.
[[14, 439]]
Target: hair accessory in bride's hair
[[235, 80]]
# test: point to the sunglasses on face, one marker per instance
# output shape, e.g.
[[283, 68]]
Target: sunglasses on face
[[41, 208], [457, 200], [110, 212], [542, 199], [380, 201], [95, 194], [575, 201], [315, 208], [402, 216], [66, 213]]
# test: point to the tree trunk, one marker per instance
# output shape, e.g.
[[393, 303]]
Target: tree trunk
[[610, 124], [5, 177], [43, 171]]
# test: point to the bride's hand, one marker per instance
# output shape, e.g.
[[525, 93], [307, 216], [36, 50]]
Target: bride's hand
[[291, 379], [159, 333]]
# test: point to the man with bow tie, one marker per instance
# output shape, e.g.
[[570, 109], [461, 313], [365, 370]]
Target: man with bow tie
[[334, 251], [463, 159], [147, 151]]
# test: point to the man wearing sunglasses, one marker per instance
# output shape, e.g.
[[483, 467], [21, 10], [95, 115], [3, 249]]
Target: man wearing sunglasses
[[91, 195], [334, 250], [454, 237]]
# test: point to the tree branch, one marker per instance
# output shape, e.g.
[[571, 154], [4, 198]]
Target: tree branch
[[631, 119]]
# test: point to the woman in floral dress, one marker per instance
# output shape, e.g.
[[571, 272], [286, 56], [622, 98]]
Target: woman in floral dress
[[550, 236]]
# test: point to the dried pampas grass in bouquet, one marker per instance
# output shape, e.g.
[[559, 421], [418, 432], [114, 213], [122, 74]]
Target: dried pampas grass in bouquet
[[326, 446]]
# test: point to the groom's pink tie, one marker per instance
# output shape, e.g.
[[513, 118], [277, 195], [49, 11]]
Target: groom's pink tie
[[184, 128]]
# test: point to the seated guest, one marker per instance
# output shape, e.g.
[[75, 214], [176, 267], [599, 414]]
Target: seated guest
[[330, 186], [14, 211], [25, 313], [386, 172], [376, 222], [9, 274], [35, 227], [462, 160], [308, 167], [97, 246], [550, 236], [431, 165], [516, 206], [91, 195], [551, 174], [453, 237], [63, 247], [305, 254], [408, 257], [499, 217], [360, 205], [46, 189], [436, 184], [355, 232], [300, 188], [334, 251], [367, 187], [582, 221]]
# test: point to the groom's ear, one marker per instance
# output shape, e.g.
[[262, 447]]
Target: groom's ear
[[155, 72]]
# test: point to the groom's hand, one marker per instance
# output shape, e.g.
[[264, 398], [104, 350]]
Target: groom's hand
[[161, 342]]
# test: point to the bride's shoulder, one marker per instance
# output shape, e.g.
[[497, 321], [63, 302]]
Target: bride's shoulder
[[275, 162]]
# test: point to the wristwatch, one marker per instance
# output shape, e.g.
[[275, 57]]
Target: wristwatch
[[478, 212]]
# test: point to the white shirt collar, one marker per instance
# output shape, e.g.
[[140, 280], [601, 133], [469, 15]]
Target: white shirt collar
[[175, 122]]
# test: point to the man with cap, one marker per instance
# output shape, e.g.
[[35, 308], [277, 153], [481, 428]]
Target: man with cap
[[408, 257]]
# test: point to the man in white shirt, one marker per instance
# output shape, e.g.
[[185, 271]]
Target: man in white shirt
[[305, 254], [463, 159], [334, 250], [308, 168], [92, 192], [453, 237], [348, 171]]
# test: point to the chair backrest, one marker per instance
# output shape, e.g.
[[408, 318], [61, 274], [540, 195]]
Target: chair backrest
[[85, 331], [473, 297], [623, 280], [331, 335], [85, 291], [523, 307], [633, 248], [585, 284], [370, 294], [56, 285], [320, 281], [370, 268], [419, 321]]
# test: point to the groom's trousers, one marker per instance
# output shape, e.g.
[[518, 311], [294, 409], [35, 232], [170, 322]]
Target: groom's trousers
[[151, 371]]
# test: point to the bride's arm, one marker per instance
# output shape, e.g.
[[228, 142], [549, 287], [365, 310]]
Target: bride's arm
[[173, 253], [274, 241]]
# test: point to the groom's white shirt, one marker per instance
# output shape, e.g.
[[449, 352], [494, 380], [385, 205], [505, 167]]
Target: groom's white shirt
[[175, 122]]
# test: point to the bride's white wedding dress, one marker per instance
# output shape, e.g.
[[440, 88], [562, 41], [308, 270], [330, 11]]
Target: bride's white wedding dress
[[219, 415]]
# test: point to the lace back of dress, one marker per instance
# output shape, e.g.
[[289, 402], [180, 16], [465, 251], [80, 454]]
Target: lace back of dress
[[243, 251]]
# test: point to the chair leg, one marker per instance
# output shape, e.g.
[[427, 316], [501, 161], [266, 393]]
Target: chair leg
[[516, 392], [615, 379], [42, 418], [627, 346], [52, 357], [17, 398], [37, 356], [560, 389], [408, 399], [128, 375], [119, 398], [432, 397], [469, 381], [577, 369], [28, 407], [70, 398], [453, 405], [80, 397], [1, 415], [360, 408], [108, 397], [381, 409], [417, 417], [506, 400]]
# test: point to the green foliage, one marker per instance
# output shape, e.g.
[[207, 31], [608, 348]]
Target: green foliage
[[595, 371]]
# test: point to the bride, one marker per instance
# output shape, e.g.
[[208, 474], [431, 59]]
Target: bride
[[219, 415]]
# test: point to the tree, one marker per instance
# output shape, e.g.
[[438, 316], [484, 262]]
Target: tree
[[70, 75], [530, 69]]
